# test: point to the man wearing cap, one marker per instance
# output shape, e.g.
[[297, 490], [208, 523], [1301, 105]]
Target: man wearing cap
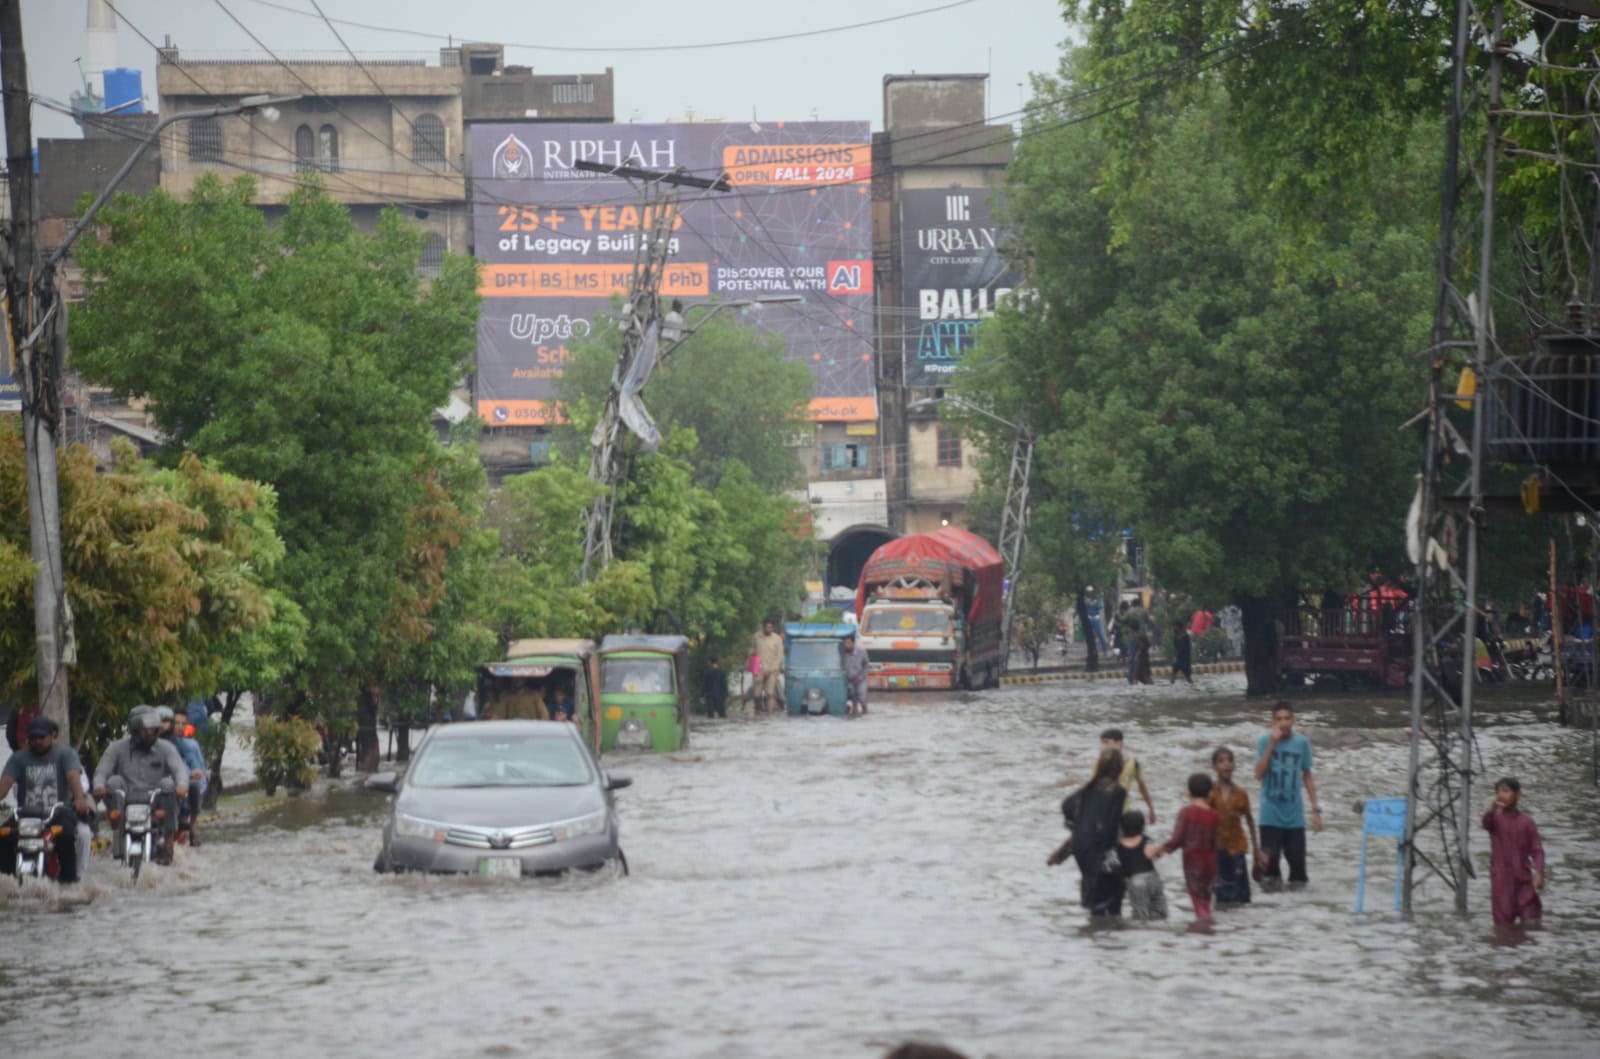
[[45, 774], [854, 657]]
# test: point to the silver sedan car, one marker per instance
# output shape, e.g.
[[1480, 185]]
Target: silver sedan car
[[501, 798]]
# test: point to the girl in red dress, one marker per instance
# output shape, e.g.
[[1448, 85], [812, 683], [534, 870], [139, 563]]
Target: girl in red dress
[[1196, 835]]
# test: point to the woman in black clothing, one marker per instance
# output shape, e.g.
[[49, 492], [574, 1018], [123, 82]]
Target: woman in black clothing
[[1093, 814]]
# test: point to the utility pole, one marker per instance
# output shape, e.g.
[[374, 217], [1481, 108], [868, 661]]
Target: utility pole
[[634, 363], [34, 311], [641, 336], [1014, 531]]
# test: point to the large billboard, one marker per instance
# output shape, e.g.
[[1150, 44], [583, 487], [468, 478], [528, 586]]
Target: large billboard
[[952, 276], [555, 243]]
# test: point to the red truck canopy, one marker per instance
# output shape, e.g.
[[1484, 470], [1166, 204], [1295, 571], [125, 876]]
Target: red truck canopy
[[964, 562]]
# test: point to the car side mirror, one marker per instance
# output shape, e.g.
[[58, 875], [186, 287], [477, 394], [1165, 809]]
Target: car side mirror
[[387, 782], [616, 783]]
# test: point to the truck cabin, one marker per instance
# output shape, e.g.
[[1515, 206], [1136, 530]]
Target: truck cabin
[[884, 619]]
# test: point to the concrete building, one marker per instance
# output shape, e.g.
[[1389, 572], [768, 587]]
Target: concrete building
[[379, 132], [938, 274]]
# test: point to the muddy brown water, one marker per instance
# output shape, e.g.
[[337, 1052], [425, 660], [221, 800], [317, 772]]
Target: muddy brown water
[[829, 888]]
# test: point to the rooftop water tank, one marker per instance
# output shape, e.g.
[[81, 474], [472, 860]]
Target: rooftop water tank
[[124, 86]]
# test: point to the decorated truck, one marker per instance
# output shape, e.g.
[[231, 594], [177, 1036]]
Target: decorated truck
[[929, 608]]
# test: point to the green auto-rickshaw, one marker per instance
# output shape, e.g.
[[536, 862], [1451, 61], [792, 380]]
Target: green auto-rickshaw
[[813, 669], [520, 686], [644, 692]]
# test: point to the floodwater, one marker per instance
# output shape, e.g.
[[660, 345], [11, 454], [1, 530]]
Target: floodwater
[[823, 887]]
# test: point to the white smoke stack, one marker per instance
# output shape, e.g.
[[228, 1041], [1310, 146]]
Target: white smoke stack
[[102, 53]]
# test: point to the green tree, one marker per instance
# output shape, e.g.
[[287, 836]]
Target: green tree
[[165, 570], [1224, 389], [728, 382], [307, 355]]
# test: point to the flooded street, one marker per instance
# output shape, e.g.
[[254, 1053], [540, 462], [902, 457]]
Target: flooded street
[[828, 888]]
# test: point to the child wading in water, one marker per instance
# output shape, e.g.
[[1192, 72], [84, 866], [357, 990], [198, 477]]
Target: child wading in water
[[1139, 876], [1236, 832], [1516, 858], [1196, 834]]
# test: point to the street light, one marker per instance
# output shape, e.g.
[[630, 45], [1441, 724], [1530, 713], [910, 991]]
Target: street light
[[675, 328], [1013, 516], [262, 104]]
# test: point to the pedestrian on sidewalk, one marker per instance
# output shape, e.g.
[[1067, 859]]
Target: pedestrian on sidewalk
[[1141, 657], [1182, 662], [1516, 858]]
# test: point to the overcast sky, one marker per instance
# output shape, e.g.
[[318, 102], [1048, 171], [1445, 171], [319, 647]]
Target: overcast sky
[[838, 75]]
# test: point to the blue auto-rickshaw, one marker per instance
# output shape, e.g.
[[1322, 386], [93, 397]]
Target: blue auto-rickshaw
[[813, 671]]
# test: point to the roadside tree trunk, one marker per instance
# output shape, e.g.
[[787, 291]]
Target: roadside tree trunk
[[368, 750], [1260, 620], [1091, 643], [402, 750]]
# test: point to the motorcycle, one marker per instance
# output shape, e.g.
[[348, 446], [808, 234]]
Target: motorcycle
[[137, 826], [37, 835]]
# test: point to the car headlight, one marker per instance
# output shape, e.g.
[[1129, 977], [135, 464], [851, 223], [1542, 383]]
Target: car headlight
[[416, 827], [593, 824]]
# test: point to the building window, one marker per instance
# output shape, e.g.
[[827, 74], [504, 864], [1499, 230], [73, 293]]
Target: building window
[[949, 447], [305, 149], [205, 140], [328, 149], [432, 261], [428, 140], [572, 92], [846, 456]]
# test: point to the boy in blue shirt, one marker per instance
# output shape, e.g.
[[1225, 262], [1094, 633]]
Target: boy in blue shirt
[[1283, 765]]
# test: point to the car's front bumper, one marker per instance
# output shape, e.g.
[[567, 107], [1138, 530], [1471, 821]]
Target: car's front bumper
[[423, 854]]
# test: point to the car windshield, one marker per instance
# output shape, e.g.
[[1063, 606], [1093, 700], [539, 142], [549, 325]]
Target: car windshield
[[814, 654], [909, 621], [640, 676], [500, 761]]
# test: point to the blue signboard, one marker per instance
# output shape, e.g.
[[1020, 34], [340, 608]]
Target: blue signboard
[[1385, 818], [10, 394]]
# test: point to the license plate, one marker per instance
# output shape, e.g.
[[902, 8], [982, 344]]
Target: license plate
[[500, 867]]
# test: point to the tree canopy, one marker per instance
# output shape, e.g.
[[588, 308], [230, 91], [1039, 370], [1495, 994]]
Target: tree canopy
[[1202, 378], [166, 570], [309, 355]]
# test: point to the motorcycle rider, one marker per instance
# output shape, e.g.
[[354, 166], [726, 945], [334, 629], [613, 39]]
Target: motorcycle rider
[[45, 775], [137, 763], [194, 761]]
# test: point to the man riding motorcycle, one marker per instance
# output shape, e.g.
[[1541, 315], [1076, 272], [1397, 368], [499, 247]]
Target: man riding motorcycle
[[193, 760], [136, 764], [45, 775]]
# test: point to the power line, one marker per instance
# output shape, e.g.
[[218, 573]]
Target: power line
[[698, 46]]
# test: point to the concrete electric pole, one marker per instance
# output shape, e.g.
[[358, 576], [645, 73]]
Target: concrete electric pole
[[641, 338], [35, 315]]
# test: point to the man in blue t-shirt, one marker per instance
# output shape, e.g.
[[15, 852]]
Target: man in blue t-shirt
[[1283, 763]]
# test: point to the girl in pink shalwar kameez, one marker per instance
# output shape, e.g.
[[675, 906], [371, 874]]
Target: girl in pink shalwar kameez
[[1516, 858]]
